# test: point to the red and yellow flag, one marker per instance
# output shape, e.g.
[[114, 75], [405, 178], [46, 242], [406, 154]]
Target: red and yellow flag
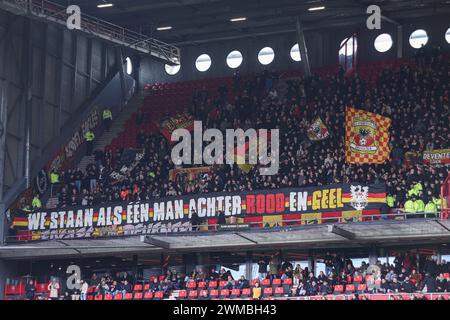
[[366, 137]]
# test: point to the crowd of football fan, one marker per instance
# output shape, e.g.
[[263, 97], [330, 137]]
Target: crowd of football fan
[[403, 275], [415, 97]]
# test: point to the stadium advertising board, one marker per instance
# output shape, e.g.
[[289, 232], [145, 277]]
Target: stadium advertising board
[[342, 202]]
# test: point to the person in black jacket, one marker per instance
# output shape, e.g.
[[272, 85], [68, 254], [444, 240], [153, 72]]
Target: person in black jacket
[[385, 286], [195, 220], [213, 275], [328, 264], [30, 290], [407, 286], [325, 288], [262, 268], [312, 289], [221, 218], [429, 283], [395, 286]]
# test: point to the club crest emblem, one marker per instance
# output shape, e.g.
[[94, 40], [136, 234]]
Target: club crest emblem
[[363, 138], [360, 197]]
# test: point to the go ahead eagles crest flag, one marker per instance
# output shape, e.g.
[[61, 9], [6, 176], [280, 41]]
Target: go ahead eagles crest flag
[[366, 137]]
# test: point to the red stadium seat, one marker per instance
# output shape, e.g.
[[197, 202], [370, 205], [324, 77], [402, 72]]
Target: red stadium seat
[[357, 279], [268, 292], [128, 296], [118, 296], [182, 294], [191, 285], [338, 289], [235, 293], [265, 283], [201, 285], [276, 282], [147, 287], [222, 284], [246, 293], [108, 296], [98, 297], [138, 296], [203, 293], [193, 294], [279, 292], [362, 287], [349, 288], [148, 295], [41, 287], [137, 287], [158, 295], [214, 293], [224, 293], [212, 284]]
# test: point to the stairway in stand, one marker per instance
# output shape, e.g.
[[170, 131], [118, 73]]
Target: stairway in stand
[[118, 124]]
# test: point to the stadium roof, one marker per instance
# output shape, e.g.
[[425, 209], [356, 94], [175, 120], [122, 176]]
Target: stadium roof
[[350, 235], [209, 20]]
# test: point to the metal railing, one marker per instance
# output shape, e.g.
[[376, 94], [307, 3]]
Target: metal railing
[[50, 11], [276, 225]]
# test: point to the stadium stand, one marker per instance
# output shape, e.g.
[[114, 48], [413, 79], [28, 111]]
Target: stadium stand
[[290, 102], [399, 280], [354, 98]]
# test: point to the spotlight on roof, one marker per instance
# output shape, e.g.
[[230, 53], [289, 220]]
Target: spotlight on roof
[[316, 8], [164, 28], [105, 5], [238, 19]]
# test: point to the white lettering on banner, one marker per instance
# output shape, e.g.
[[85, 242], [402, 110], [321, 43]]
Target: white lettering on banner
[[302, 201], [110, 220], [88, 217], [54, 220], [201, 202], [33, 221], [78, 137], [159, 212], [117, 216], [70, 221], [79, 220]]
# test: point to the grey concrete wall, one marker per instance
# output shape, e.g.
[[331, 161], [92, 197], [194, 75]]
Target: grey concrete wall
[[66, 67], [322, 45]]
